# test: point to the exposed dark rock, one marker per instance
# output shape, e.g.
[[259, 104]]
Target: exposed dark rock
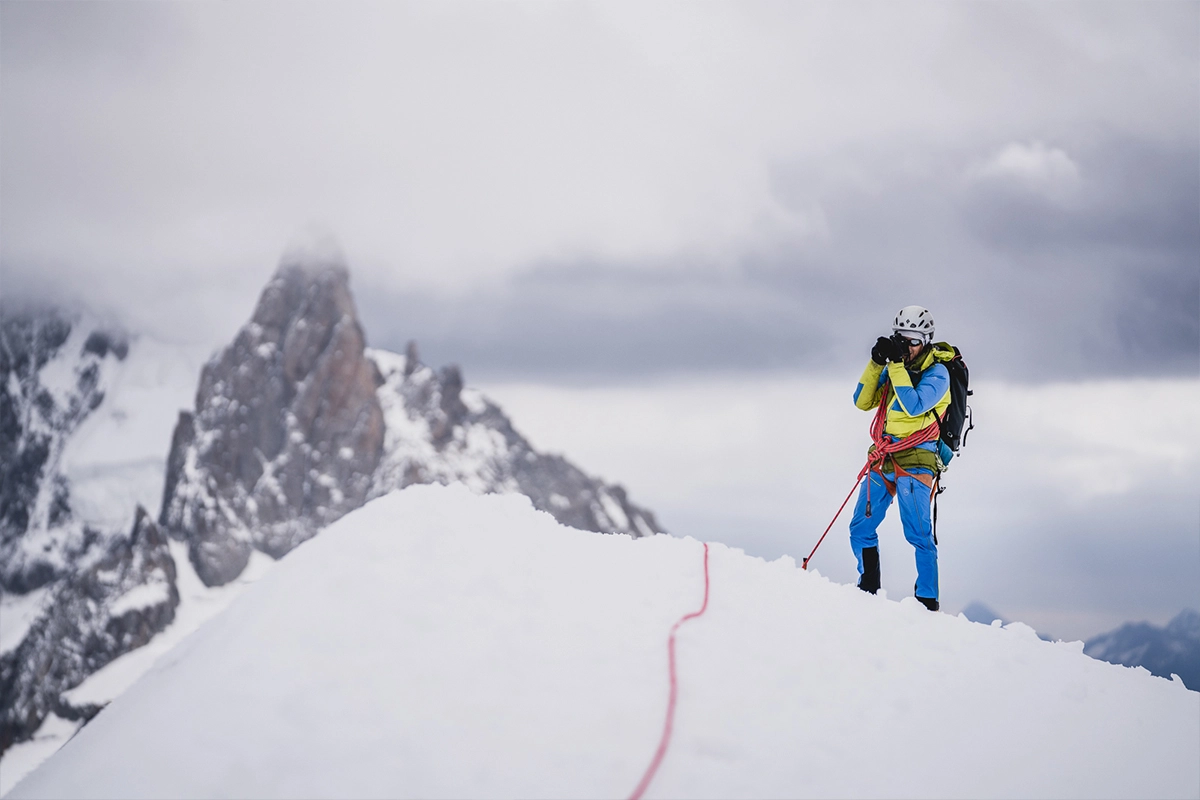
[[411, 360], [450, 405], [35, 425], [115, 605], [27, 342], [287, 430], [182, 441], [101, 343]]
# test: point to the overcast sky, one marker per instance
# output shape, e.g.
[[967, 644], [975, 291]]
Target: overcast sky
[[625, 193], [621, 189]]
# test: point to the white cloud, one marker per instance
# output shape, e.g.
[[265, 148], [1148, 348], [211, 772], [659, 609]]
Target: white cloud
[[1034, 164]]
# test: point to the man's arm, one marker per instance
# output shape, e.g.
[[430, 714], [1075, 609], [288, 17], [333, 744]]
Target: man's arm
[[918, 400], [866, 396]]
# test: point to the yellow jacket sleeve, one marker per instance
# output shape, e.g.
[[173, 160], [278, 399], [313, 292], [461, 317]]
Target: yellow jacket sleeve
[[866, 396]]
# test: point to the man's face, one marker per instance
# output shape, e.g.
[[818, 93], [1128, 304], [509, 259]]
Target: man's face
[[912, 347]]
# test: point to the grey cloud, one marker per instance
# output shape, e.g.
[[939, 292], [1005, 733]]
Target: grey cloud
[[1128, 557], [1134, 195], [599, 325], [1031, 291], [64, 38], [1157, 319], [1119, 262], [149, 147]]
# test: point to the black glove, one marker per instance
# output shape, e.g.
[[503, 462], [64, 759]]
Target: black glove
[[884, 350]]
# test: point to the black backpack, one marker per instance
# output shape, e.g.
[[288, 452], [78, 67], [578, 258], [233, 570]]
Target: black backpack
[[957, 423]]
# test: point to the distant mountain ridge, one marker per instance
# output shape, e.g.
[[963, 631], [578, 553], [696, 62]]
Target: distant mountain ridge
[[295, 424], [1174, 648]]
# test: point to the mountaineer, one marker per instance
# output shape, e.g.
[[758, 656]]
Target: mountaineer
[[908, 372]]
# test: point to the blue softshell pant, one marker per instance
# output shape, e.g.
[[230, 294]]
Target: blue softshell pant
[[914, 498]]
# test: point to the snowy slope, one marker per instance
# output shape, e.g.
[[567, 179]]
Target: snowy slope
[[86, 412], [436, 643], [117, 458], [197, 603], [277, 447]]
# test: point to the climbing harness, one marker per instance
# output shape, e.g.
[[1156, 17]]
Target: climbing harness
[[670, 723], [884, 447]]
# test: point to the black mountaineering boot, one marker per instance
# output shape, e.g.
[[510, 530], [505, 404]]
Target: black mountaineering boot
[[869, 582], [930, 602]]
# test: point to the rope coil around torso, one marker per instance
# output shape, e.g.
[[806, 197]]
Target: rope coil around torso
[[884, 446]]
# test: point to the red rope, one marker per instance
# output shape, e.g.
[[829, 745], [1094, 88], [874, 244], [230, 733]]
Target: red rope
[[670, 723], [883, 449], [804, 563]]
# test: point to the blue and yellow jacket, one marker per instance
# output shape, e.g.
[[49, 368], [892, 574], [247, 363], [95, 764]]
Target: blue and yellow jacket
[[919, 394]]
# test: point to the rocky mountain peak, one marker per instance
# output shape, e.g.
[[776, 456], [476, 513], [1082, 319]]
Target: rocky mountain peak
[[294, 425], [287, 430]]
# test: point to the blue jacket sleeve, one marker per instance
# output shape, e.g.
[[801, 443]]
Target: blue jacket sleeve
[[917, 400]]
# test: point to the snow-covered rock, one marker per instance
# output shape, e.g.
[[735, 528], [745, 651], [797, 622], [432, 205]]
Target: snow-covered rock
[[437, 643], [293, 425], [287, 430], [84, 576], [296, 423], [52, 373], [116, 604], [440, 432]]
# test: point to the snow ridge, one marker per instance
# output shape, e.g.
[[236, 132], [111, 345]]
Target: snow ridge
[[520, 658], [294, 424]]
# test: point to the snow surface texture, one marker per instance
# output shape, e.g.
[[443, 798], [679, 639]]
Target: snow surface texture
[[197, 603], [21, 759], [436, 643], [86, 416], [116, 459]]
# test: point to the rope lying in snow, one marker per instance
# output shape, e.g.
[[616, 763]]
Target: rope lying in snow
[[666, 734]]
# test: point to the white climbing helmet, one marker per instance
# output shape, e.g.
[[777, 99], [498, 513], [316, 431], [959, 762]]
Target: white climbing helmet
[[914, 321]]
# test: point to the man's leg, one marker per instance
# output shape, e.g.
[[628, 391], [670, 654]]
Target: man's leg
[[863, 538], [918, 530]]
